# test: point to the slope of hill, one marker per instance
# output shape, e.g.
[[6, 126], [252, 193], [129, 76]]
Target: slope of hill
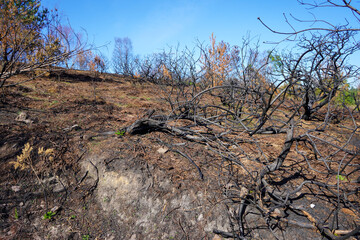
[[69, 169]]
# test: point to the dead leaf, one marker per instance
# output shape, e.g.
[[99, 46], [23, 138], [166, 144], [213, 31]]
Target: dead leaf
[[349, 212]]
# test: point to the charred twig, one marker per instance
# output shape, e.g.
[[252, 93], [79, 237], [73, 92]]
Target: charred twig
[[94, 186], [172, 210], [148, 125], [280, 159], [227, 234], [326, 231], [170, 146], [191, 161]]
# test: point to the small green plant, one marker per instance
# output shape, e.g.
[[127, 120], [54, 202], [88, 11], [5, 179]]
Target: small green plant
[[340, 177], [73, 216], [54, 102], [16, 214], [120, 133], [49, 215], [85, 237]]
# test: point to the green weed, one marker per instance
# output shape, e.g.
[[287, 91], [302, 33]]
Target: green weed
[[120, 133], [16, 214], [340, 177], [49, 215], [85, 237], [54, 102]]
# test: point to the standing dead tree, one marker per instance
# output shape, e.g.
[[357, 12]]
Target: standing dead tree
[[322, 70], [147, 68], [178, 76]]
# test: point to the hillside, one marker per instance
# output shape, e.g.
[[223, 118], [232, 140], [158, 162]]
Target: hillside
[[99, 180]]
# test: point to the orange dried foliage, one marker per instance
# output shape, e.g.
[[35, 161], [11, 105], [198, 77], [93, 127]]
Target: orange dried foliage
[[217, 62], [165, 72], [137, 75]]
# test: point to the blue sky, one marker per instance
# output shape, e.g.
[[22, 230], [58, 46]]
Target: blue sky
[[154, 25]]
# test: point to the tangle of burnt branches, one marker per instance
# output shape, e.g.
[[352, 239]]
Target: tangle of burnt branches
[[279, 127]]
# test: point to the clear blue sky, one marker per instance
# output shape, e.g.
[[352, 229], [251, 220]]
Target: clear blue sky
[[154, 24]]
